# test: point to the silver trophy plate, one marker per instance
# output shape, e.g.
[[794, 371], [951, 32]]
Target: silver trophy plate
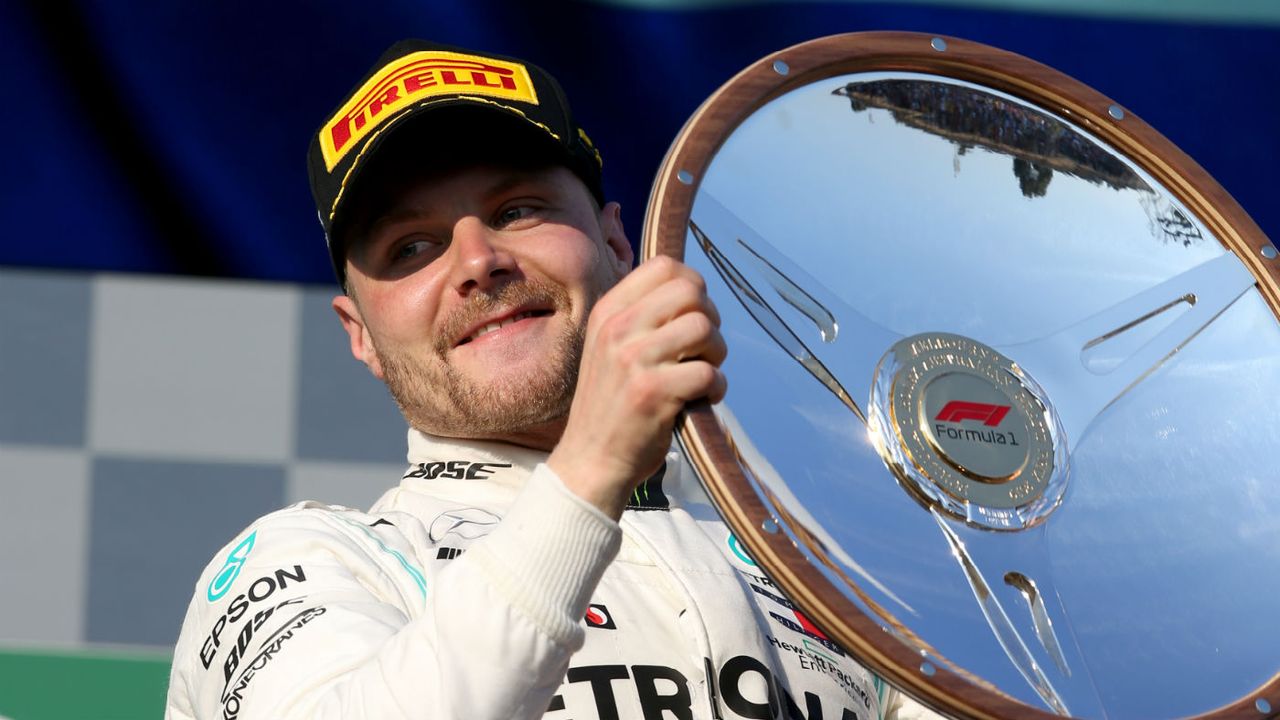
[[1004, 379]]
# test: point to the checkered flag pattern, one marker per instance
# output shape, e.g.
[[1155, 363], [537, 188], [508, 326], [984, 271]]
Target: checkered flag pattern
[[145, 421]]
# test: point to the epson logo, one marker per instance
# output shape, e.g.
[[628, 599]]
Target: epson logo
[[260, 589]]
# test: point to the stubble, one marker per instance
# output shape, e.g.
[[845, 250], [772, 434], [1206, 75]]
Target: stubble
[[436, 398]]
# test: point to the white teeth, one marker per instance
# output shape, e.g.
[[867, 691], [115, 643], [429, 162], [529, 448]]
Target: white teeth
[[498, 325]]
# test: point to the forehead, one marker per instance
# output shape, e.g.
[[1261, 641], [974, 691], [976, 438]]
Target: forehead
[[475, 182]]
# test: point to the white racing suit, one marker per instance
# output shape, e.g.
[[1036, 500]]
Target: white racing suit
[[481, 588]]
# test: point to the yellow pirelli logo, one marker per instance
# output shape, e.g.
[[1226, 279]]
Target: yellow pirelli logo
[[415, 77]]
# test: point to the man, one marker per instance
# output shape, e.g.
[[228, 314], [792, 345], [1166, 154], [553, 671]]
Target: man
[[545, 553]]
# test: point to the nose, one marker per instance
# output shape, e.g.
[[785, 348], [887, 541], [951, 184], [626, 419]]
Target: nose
[[478, 262]]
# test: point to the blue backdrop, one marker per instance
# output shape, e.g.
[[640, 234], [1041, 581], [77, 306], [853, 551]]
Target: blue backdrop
[[170, 137]]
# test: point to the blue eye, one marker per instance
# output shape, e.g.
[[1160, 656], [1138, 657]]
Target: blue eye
[[412, 249], [512, 214]]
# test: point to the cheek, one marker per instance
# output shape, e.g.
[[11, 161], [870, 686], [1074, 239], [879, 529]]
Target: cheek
[[586, 261], [605, 273], [401, 313]]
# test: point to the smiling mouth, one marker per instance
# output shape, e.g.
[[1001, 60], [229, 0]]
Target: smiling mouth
[[499, 324]]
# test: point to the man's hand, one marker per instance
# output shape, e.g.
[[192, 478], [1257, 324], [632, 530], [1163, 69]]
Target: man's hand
[[653, 343]]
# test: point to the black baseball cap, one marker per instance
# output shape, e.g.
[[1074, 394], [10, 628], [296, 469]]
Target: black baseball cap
[[418, 87]]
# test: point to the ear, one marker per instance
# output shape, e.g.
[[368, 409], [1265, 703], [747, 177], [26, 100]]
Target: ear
[[621, 256], [361, 341]]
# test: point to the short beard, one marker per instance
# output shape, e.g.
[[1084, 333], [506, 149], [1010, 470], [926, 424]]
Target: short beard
[[436, 398]]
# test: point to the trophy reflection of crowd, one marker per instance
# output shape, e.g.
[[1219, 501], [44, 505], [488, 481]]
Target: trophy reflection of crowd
[[1039, 143]]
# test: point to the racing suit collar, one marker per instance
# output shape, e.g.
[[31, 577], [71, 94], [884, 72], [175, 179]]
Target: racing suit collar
[[424, 448]]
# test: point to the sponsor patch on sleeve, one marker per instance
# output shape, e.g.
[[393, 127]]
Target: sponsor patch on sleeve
[[598, 616], [222, 582]]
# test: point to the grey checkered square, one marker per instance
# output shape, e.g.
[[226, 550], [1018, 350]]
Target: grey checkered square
[[344, 413], [154, 526], [44, 338]]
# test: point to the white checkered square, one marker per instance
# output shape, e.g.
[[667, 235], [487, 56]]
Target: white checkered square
[[44, 527], [193, 369]]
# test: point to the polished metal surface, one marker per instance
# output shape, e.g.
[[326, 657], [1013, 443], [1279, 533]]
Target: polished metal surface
[[968, 432], [1040, 618], [1066, 296]]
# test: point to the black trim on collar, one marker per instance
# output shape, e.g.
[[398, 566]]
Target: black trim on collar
[[649, 495]]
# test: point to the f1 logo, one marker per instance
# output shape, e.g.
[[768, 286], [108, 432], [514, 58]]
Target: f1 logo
[[598, 617], [958, 410]]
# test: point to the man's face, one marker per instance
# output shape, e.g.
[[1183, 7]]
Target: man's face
[[470, 296]]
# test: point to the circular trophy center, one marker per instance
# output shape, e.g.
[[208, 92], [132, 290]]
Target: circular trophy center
[[966, 431], [975, 427]]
